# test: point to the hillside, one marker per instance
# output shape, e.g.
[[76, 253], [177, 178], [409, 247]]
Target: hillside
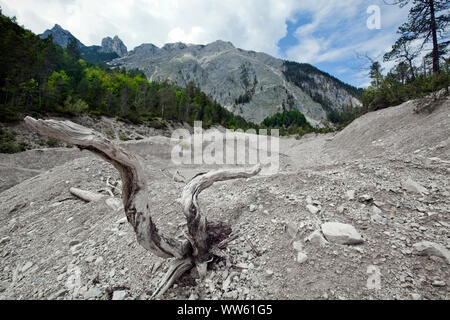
[[389, 180]]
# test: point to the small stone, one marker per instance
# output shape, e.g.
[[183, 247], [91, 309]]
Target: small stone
[[27, 266], [365, 198], [226, 284], [439, 283], [292, 230], [416, 296], [309, 200], [301, 257], [317, 238], [376, 210], [298, 246], [415, 187], [350, 195], [90, 259], [269, 273], [5, 240], [119, 295], [193, 297], [252, 208], [312, 209], [92, 293], [340, 209], [341, 233]]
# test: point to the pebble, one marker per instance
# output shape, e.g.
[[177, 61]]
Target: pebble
[[312, 209], [439, 283], [5, 240], [119, 295], [301, 257], [350, 195]]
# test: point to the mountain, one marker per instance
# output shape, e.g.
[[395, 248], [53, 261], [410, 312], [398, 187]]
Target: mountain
[[250, 84], [115, 45], [110, 49], [61, 37]]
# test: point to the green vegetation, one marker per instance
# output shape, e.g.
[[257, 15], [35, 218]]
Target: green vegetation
[[39, 77], [93, 54], [302, 75], [427, 23], [390, 90], [292, 123], [8, 143]]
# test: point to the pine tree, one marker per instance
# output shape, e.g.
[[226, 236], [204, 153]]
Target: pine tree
[[428, 21]]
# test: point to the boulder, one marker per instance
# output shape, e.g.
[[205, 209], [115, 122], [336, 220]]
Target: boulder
[[415, 187], [427, 248], [341, 233]]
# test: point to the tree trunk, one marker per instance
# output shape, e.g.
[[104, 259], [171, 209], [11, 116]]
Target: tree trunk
[[435, 41], [204, 239]]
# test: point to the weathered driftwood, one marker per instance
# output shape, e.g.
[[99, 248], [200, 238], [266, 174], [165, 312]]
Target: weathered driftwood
[[204, 239], [87, 196]]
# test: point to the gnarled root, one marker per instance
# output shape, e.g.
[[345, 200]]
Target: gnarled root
[[176, 270]]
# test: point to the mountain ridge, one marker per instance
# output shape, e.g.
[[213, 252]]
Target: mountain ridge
[[251, 84]]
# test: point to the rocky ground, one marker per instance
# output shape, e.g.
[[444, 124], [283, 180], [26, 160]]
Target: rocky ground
[[363, 214]]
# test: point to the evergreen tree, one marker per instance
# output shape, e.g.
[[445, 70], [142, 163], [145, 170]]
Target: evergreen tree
[[428, 21]]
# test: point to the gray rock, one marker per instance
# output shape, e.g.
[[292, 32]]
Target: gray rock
[[115, 45], [92, 293], [312, 209], [412, 186], [298, 246], [350, 195], [5, 240], [365, 198], [341, 233], [427, 248], [269, 273], [252, 208], [119, 295], [416, 296], [439, 283], [302, 257], [317, 238]]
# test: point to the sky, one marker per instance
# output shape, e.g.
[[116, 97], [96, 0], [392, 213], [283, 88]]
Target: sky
[[329, 34]]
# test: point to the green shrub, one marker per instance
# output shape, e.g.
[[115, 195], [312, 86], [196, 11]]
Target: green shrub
[[7, 115], [8, 142]]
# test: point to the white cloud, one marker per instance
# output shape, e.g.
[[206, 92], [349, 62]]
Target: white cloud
[[336, 30], [257, 25]]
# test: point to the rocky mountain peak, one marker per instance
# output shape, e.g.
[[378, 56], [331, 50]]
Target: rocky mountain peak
[[61, 37], [114, 45]]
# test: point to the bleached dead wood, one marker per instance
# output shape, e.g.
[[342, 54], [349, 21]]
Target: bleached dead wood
[[86, 195], [205, 239]]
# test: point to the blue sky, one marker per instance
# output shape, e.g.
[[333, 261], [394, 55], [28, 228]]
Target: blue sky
[[329, 34]]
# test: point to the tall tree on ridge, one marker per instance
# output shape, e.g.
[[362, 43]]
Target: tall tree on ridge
[[428, 20]]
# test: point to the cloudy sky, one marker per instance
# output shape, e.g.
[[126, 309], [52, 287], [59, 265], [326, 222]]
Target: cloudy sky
[[326, 33]]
